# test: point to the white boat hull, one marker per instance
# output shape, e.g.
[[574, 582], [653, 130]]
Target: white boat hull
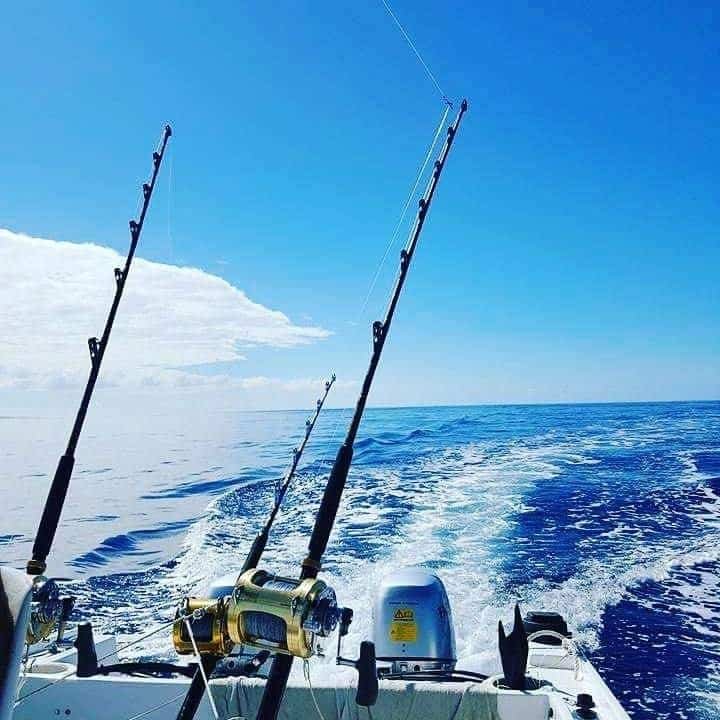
[[49, 689]]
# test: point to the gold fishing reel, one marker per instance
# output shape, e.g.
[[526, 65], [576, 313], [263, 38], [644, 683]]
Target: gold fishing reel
[[207, 619], [264, 611]]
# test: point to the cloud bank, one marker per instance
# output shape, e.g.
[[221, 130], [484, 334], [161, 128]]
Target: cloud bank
[[54, 295]]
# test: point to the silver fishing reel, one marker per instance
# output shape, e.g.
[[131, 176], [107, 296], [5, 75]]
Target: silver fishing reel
[[46, 609]]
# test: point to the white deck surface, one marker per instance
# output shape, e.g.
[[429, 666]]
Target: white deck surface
[[50, 690]]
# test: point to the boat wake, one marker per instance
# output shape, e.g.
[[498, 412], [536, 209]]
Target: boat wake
[[612, 517]]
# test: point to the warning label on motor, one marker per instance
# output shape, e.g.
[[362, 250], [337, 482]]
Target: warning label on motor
[[403, 627]]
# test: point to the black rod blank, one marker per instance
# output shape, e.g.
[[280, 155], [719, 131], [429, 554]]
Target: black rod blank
[[325, 519], [196, 691], [58, 490]]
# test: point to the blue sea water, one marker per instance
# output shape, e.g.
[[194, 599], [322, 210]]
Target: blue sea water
[[609, 514]]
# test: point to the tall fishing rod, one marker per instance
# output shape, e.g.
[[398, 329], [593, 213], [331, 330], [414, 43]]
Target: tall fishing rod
[[195, 692], [58, 490], [325, 519]]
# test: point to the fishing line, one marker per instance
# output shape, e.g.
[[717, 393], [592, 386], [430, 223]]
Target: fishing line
[[141, 197], [306, 672], [427, 186], [201, 668], [170, 188], [411, 195], [413, 47], [25, 698], [343, 414], [116, 651], [332, 497], [157, 707]]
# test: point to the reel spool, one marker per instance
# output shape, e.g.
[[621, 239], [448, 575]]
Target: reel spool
[[207, 619], [281, 614], [264, 611]]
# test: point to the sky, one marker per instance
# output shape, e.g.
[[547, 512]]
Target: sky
[[571, 254]]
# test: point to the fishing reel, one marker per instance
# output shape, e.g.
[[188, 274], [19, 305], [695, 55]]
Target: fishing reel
[[263, 611], [48, 610]]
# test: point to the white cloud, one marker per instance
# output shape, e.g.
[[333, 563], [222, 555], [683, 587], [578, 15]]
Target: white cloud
[[293, 385], [54, 295]]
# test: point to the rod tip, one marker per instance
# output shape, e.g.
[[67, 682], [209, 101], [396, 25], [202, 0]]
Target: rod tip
[[168, 131], [464, 105]]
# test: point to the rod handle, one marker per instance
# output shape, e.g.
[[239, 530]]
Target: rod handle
[[274, 688], [51, 515], [328, 508]]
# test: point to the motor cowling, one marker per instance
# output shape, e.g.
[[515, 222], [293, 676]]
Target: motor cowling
[[412, 622]]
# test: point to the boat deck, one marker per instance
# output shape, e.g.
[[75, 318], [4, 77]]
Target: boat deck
[[50, 690]]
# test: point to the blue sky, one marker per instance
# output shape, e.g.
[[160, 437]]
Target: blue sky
[[572, 253]]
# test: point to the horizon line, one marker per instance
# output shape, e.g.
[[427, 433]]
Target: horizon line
[[567, 403]]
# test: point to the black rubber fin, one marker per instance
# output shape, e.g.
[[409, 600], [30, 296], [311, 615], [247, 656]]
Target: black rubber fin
[[514, 652], [87, 662], [367, 689]]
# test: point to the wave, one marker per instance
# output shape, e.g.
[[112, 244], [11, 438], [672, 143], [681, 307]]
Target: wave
[[208, 487], [131, 543]]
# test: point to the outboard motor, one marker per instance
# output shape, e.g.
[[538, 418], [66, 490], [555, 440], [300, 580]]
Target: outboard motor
[[413, 626]]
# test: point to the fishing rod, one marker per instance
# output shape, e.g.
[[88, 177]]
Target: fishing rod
[[58, 490], [284, 616], [209, 661], [258, 547], [325, 519]]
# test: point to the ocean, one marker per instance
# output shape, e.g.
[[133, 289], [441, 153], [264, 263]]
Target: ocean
[[609, 514]]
